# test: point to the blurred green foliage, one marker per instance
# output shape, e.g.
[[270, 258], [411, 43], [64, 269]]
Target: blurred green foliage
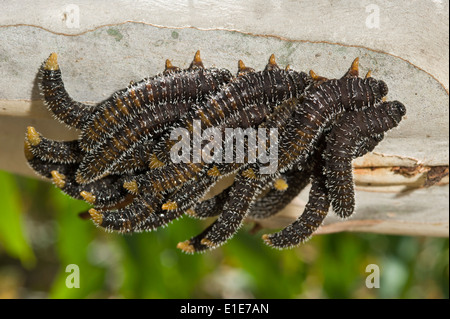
[[41, 234]]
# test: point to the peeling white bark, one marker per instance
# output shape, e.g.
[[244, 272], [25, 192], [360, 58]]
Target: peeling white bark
[[101, 52]]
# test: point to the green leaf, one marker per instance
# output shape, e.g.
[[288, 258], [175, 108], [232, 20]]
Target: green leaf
[[75, 237], [12, 231]]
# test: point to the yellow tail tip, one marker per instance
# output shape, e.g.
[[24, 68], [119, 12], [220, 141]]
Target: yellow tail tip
[[241, 65], [206, 242], [186, 247], [249, 173], [33, 136], [280, 184], [88, 197], [168, 64], [242, 68], [155, 162], [213, 172], [197, 58], [27, 151], [169, 206], [58, 179], [272, 60], [96, 216], [266, 239], [197, 62], [131, 186], [316, 77], [355, 64], [52, 62], [313, 75]]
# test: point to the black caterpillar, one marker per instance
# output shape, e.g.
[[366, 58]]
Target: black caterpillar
[[121, 161], [299, 140]]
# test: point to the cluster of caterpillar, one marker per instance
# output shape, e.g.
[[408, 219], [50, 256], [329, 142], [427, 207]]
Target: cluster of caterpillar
[[121, 164]]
